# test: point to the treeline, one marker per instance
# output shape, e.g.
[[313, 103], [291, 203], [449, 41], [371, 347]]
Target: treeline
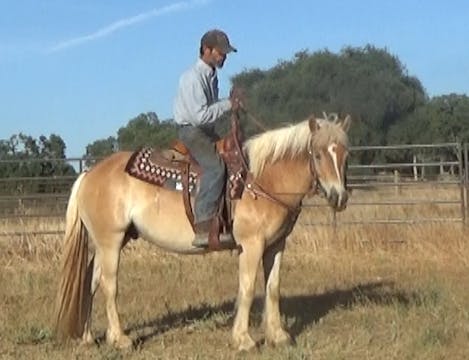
[[388, 106], [30, 159], [144, 130]]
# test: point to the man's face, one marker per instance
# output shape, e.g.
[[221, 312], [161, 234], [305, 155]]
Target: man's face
[[217, 58]]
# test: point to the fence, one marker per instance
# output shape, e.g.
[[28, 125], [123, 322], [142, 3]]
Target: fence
[[430, 184], [432, 187]]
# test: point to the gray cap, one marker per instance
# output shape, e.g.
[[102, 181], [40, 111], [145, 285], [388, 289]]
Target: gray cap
[[217, 39]]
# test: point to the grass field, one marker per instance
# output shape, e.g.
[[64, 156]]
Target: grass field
[[363, 292]]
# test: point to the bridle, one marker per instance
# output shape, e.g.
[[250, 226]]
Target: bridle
[[256, 190], [315, 184]]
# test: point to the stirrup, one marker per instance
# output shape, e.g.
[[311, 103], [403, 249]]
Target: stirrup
[[201, 240]]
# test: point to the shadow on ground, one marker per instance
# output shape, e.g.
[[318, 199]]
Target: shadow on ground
[[305, 309]]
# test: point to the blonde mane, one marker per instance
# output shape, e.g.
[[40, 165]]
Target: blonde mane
[[291, 141]]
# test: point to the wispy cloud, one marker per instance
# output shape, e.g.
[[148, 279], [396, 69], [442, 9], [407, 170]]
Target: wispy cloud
[[123, 23]]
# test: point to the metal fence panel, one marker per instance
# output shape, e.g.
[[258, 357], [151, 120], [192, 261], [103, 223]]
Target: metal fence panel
[[377, 187], [433, 181]]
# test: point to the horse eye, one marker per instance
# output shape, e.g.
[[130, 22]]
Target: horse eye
[[318, 157]]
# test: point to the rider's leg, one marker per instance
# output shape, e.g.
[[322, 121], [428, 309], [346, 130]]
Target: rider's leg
[[202, 148]]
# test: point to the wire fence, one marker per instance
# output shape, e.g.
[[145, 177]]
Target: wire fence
[[430, 184]]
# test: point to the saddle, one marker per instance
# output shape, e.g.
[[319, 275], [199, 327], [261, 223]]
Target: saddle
[[175, 169]]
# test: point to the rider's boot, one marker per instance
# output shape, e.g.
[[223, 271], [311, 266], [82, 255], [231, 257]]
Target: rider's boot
[[202, 230]]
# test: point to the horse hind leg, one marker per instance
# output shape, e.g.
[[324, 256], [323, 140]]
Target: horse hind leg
[[94, 270], [109, 256]]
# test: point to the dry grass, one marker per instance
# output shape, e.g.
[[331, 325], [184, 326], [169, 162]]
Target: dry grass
[[354, 294]]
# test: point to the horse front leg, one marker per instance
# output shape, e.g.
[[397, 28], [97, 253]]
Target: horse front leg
[[272, 258], [249, 261]]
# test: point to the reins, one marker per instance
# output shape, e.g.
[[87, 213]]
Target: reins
[[254, 119]]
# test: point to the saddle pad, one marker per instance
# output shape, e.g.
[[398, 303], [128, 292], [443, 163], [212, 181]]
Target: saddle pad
[[143, 168]]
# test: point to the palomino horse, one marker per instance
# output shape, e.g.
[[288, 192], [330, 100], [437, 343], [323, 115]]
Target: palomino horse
[[107, 206]]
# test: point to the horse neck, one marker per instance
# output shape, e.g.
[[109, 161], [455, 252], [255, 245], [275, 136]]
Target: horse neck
[[287, 179]]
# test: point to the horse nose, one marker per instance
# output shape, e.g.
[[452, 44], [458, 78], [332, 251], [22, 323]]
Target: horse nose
[[333, 198], [338, 200]]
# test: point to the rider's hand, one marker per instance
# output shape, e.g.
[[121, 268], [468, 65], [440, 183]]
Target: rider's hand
[[237, 98], [235, 104]]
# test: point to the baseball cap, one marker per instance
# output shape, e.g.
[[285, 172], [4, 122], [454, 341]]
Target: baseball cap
[[217, 39]]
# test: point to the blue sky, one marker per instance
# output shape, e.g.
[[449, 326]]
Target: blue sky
[[83, 68]]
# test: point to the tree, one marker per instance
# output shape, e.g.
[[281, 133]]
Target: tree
[[100, 149], [144, 130], [443, 119], [368, 83], [26, 157]]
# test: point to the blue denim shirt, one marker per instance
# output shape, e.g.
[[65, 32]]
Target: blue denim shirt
[[197, 100]]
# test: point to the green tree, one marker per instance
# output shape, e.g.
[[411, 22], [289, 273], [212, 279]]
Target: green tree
[[443, 119], [146, 130], [22, 156], [100, 149], [368, 83]]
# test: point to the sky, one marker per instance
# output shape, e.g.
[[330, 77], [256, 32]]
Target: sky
[[82, 69]]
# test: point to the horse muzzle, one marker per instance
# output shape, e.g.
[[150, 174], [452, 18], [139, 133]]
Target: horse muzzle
[[337, 199]]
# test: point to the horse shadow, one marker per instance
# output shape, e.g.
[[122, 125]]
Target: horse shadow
[[310, 309], [305, 309]]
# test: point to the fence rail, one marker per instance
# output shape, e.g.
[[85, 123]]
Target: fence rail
[[430, 188]]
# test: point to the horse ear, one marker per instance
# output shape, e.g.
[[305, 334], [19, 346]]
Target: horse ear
[[313, 124], [345, 124]]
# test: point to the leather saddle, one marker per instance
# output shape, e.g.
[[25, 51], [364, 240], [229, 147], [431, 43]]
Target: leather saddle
[[175, 168]]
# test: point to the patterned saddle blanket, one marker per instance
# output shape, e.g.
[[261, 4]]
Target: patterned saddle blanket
[[162, 168]]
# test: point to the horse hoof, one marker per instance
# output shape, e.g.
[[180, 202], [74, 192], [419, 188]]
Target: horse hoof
[[124, 343], [245, 344], [280, 338], [87, 340]]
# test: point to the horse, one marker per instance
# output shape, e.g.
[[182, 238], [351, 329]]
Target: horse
[[107, 207]]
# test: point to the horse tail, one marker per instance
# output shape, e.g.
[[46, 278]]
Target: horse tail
[[73, 295]]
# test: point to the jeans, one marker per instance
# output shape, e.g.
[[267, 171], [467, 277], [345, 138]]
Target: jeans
[[201, 143]]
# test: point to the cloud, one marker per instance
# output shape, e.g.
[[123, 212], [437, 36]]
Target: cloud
[[123, 23]]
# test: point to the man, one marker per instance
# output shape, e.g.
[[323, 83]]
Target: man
[[196, 109]]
